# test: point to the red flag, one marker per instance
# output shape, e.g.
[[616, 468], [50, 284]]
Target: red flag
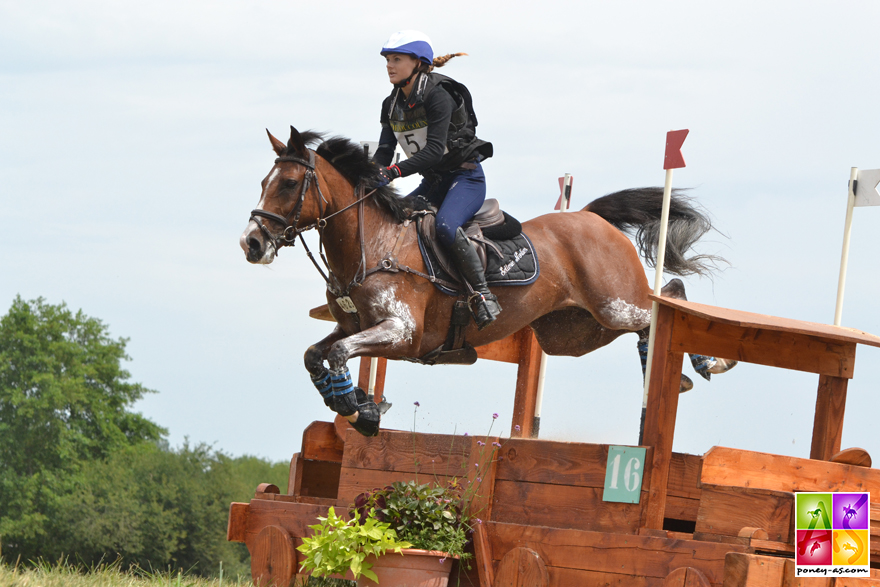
[[562, 193], [674, 140]]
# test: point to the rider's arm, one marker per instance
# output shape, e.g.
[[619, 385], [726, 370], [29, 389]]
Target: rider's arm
[[438, 107], [387, 141]]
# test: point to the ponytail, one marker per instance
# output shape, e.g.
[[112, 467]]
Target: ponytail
[[441, 61]]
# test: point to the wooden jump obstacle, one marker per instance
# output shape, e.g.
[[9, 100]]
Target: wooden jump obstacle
[[723, 519]]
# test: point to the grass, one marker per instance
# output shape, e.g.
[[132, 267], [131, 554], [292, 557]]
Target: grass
[[64, 575]]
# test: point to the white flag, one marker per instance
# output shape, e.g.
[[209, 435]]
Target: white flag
[[866, 189]]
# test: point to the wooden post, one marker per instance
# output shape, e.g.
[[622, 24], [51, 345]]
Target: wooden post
[[364, 377], [663, 393], [525, 401], [828, 422]]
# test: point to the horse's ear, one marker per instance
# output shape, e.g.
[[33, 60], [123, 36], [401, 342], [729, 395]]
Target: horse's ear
[[296, 144], [277, 145]]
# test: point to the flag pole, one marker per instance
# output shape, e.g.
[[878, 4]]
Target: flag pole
[[542, 368], [847, 233], [673, 159]]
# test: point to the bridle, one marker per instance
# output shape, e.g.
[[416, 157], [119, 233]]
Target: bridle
[[291, 229]]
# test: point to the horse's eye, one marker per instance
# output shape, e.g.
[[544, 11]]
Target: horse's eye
[[289, 184]]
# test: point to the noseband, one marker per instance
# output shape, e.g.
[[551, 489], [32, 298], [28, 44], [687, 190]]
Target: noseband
[[289, 222]]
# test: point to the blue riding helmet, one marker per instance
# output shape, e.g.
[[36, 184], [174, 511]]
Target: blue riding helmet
[[415, 43]]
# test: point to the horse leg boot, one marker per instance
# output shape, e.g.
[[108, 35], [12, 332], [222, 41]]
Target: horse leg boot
[[349, 400], [484, 304], [686, 383]]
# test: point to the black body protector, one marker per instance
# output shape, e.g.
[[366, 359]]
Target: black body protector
[[408, 120]]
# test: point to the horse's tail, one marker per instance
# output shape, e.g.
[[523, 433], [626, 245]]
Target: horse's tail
[[636, 212]]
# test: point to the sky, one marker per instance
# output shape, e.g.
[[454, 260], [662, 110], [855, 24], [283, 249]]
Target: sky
[[132, 146]]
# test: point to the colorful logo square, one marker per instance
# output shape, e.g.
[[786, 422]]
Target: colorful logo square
[[832, 534]]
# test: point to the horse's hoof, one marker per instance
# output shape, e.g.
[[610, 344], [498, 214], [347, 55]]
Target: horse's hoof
[[367, 422], [686, 384], [722, 366]]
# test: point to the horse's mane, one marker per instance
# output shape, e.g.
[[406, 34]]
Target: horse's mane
[[349, 159]]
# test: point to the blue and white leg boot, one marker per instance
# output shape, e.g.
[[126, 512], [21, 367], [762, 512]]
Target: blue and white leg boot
[[322, 384], [348, 400]]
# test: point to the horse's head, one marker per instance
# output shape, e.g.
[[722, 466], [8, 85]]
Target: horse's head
[[288, 201]]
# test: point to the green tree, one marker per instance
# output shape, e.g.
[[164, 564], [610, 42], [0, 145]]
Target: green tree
[[64, 400]]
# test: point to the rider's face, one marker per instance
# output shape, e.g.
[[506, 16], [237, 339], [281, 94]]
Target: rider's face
[[399, 66]]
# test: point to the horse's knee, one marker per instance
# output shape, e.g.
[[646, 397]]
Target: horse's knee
[[338, 356], [314, 360]]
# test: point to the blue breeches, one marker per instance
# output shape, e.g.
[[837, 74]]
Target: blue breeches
[[458, 196]]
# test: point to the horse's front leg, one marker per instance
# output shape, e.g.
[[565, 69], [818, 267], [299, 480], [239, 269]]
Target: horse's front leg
[[393, 336]]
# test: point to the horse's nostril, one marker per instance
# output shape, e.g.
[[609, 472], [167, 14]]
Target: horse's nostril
[[254, 245]]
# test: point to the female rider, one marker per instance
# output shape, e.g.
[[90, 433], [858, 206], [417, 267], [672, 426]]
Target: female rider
[[432, 118]]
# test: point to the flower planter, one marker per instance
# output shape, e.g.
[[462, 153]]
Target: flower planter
[[415, 568]]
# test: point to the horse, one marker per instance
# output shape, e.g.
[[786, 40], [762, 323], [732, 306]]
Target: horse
[[592, 287]]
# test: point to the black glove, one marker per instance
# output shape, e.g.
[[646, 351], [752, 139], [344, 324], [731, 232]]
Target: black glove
[[386, 175]]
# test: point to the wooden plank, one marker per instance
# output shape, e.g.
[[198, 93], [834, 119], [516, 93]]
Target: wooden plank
[[743, 468], [319, 478], [752, 570], [320, 443], [561, 577], [526, 396], [354, 481], [764, 347], [294, 518], [506, 350], [557, 463], [483, 556], [828, 421], [625, 554], [663, 391], [680, 508], [294, 475], [322, 313], [236, 527], [522, 567], [684, 475], [763, 321], [441, 454], [726, 510], [563, 506], [482, 468]]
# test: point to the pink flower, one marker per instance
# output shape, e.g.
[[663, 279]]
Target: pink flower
[[481, 443], [416, 404], [498, 444], [479, 479], [465, 434], [517, 428], [442, 560], [495, 416], [477, 465], [479, 521]]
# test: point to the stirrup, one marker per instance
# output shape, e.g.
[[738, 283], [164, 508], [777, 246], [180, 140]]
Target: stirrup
[[484, 308]]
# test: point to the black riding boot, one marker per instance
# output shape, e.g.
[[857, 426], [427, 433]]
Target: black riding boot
[[484, 305]]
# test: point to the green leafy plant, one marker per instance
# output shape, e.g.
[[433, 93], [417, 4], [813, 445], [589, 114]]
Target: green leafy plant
[[338, 545], [427, 515]]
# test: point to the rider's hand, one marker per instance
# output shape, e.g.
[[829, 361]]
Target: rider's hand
[[386, 175]]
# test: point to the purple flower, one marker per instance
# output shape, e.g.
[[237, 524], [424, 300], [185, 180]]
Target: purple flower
[[416, 404], [481, 443], [517, 428], [498, 444], [465, 434], [477, 465], [479, 521], [479, 479], [495, 416], [442, 560]]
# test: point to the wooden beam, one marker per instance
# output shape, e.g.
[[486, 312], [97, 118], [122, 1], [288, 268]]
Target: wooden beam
[[828, 421], [320, 443], [364, 376], [525, 400], [663, 391], [236, 527], [483, 556], [506, 350], [482, 468], [294, 475]]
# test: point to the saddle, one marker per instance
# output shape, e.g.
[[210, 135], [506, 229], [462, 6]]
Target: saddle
[[506, 254], [508, 258]]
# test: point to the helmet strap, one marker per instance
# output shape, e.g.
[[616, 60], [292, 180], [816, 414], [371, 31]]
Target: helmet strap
[[407, 81]]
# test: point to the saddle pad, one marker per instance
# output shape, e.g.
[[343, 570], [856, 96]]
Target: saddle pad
[[518, 264]]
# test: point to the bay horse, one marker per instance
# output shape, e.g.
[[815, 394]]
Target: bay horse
[[592, 287]]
